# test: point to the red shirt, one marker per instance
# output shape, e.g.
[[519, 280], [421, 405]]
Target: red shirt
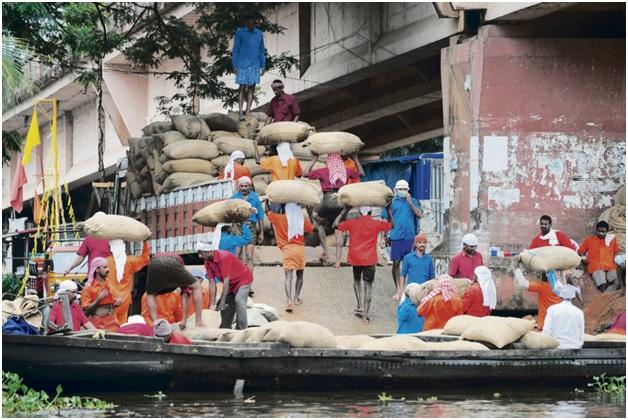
[[363, 233], [178, 338], [563, 240], [92, 248], [137, 329], [462, 266], [599, 256], [323, 176], [225, 264], [280, 226], [78, 316], [283, 108], [472, 302]]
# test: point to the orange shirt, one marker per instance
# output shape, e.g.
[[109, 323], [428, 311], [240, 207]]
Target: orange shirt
[[91, 292], [205, 304], [279, 172], [280, 226], [547, 298], [169, 307], [599, 256], [239, 171], [122, 289], [350, 164], [437, 312]]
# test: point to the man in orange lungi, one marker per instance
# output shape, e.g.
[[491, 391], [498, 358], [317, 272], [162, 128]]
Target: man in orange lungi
[[121, 271], [289, 228], [97, 300]]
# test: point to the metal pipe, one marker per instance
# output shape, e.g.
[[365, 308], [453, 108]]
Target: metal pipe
[[67, 313]]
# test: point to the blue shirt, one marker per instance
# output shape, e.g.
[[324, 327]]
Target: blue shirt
[[404, 219], [408, 320], [229, 242], [417, 269], [255, 202], [248, 49]]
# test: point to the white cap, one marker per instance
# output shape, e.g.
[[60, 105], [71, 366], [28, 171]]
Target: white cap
[[470, 239], [567, 291], [203, 246], [402, 184], [135, 319], [67, 286]]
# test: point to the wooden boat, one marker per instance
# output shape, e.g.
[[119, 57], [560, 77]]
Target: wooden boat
[[119, 362]]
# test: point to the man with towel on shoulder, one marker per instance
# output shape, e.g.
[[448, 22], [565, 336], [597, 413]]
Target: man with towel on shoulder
[[165, 274], [549, 236], [97, 300], [236, 280], [564, 321]]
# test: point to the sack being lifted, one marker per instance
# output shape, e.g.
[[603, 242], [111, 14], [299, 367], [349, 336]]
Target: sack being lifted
[[284, 131], [111, 226], [373, 193], [232, 210], [548, 258], [333, 142], [293, 191]]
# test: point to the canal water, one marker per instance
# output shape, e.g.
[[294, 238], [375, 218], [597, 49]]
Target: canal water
[[488, 403]]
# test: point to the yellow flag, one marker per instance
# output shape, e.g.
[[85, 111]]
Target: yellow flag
[[32, 139]]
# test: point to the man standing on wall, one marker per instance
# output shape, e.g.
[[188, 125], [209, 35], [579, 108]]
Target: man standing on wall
[[249, 60]]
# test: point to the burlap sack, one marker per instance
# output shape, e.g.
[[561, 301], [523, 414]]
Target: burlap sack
[[254, 167], [228, 145], [457, 324], [134, 147], [293, 191], [260, 186], [401, 342], [200, 166], [550, 258], [184, 180], [538, 340], [304, 155], [221, 133], [221, 161], [248, 122], [191, 149], [131, 183], [301, 334], [374, 193], [257, 335], [157, 127], [620, 197], [232, 210], [206, 334], [457, 345], [498, 331], [352, 342], [430, 333], [111, 226], [191, 126], [217, 121], [284, 131], [170, 137], [418, 293], [333, 142]]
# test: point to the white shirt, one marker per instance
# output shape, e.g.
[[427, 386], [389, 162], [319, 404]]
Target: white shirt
[[565, 323]]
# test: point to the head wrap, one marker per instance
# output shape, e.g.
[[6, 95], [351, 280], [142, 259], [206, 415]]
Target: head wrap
[[135, 319], [95, 263], [66, 286], [244, 180], [203, 246], [567, 291], [230, 166], [118, 250], [420, 237], [336, 167], [217, 234], [364, 210], [162, 328], [485, 280], [402, 184], [470, 239], [295, 220], [285, 153], [445, 287]]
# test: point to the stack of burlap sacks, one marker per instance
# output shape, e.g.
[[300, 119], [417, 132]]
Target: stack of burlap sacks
[[189, 150], [616, 217]]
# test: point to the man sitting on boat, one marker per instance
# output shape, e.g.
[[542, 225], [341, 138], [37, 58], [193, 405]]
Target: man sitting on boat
[[236, 280], [97, 300], [163, 329], [440, 304], [79, 319], [480, 299], [564, 321], [136, 325]]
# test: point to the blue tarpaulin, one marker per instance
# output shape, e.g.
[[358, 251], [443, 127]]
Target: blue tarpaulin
[[413, 168]]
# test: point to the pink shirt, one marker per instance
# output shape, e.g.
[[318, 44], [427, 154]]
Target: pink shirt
[[78, 316], [93, 248], [137, 329], [462, 265], [323, 176], [283, 108]]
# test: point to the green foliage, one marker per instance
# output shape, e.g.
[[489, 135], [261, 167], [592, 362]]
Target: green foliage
[[11, 142], [10, 286], [17, 398], [385, 398], [615, 385]]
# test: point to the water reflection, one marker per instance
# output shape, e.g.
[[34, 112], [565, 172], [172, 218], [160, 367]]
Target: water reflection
[[537, 403]]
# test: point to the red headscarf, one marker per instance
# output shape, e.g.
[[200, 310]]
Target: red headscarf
[[445, 287], [337, 170], [95, 263]]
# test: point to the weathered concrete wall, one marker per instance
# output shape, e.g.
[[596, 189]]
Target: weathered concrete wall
[[535, 126]]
